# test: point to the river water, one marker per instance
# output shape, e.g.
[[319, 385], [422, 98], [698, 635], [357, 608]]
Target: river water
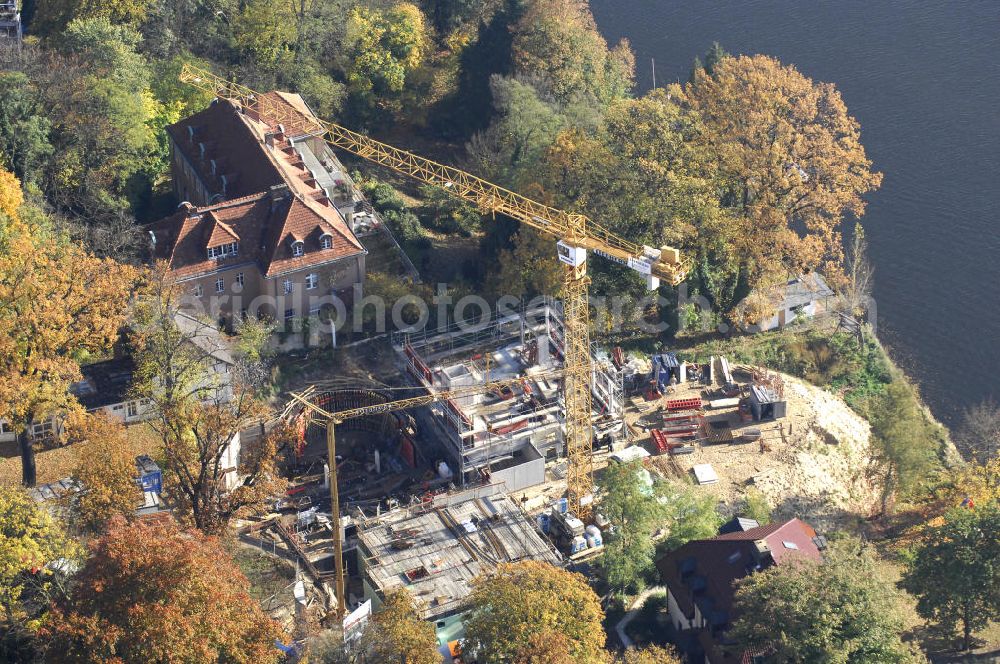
[[923, 79]]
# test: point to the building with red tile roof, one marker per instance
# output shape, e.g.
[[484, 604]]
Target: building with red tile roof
[[264, 224], [700, 578]]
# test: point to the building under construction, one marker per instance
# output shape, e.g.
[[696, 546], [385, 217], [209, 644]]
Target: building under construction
[[436, 548], [10, 22], [506, 436]]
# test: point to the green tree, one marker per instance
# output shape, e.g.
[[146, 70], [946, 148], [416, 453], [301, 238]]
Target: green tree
[[559, 40], [845, 609], [525, 124], [689, 514], [24, 128], [105, 121], [529, 268], [384, 47], [29, 539], [955, 573], [519, 600], [52, 16], [634, 512], [905, 440], [263, 32], [755, 506]]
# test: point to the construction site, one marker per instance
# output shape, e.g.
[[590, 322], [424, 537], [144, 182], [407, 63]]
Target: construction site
[[482, 446]]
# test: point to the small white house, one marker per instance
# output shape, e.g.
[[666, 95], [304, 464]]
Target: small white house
[[106, 385], [802, 297]]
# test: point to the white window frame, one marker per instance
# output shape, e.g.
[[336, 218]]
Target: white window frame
[[224, 250], [298, 248], [198, 290], [239, 278], [326, 242], [289, 314], [220, 285], [132, 409], [288, 286], [312, 281]]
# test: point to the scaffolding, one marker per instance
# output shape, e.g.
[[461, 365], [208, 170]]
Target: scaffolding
[[525, 425]]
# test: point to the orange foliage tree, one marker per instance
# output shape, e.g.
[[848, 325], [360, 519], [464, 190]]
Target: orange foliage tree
[[105, 466], [151, 592], [57, 304], [790, 159]]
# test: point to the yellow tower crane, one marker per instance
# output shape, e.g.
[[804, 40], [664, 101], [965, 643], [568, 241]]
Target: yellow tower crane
[[575, 235], [333, 419]]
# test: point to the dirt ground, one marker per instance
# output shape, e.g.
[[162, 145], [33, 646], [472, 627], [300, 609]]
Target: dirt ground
[[816, 463]]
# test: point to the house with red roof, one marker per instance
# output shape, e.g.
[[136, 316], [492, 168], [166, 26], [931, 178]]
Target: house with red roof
[[265, 224], [700, 578]]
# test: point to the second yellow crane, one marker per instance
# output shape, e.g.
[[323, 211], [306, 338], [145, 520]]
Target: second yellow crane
[[575, 235]]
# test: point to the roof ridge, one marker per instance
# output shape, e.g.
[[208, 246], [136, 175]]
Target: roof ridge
[[232, 202]]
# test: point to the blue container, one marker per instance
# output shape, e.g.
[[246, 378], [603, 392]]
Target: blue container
[[562, 505], [543, 523], [150, 477]]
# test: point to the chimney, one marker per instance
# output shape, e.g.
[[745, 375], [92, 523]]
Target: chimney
[[279, 193]]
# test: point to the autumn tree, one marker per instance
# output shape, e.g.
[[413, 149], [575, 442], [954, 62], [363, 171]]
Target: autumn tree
[[153, 592], [650, 655], [105, 466], [789, 155], [559, 40], [206, 420], [955, 573], [29, 540], [522, 599], [545, 647], [384, 47], [844, 609], [646, 174], [398, 633], [57, 303]]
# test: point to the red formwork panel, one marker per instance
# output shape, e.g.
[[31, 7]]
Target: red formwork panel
[[659, 440], [683, 404]]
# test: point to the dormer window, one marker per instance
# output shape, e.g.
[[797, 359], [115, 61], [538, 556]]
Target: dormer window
[[326, 242], [224, 250], [298, 248]]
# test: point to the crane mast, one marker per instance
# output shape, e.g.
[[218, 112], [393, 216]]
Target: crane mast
[[576, 234]]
